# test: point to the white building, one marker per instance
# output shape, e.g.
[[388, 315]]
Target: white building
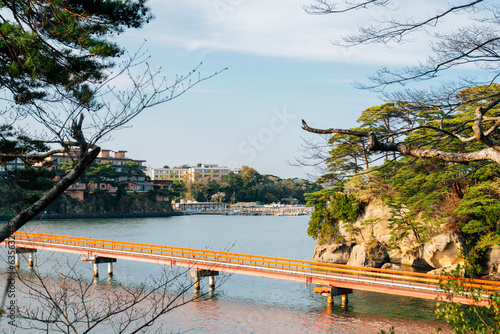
[[168, 173], [192, 173]]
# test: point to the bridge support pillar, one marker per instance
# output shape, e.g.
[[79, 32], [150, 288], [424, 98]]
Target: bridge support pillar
[[95, 260], [110, 268], [30, 260], [197, 284], [331, 291], [96, 269], [345, 300], [30, 251], [198, 274], [342, 292], [211, 282]]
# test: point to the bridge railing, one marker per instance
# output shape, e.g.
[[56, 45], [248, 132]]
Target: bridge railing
[[254, 262]]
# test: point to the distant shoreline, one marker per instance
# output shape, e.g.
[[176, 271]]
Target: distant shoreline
[[97, 216]]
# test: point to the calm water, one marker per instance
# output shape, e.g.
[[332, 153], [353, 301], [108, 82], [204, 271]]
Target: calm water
[[245, 304]]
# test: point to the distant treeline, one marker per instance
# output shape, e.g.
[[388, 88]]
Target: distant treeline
[[247, 186]]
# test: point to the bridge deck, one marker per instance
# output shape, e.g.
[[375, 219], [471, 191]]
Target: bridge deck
[[359, 278]]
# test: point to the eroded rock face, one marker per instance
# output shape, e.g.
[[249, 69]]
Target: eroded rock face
[[332, 253], [441, 251], [395, 255], [446, 271], [376, 255], [377, 216], [413, 256], [357, 257], [372, 255], [391, 266], [492, 266]]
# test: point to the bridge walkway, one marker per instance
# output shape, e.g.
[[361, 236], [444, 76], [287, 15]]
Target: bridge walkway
[[402, 283]]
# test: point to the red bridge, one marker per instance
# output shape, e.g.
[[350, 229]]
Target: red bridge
[[332, 277]]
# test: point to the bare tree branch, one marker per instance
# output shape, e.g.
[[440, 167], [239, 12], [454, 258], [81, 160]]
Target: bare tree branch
[[376, 145]]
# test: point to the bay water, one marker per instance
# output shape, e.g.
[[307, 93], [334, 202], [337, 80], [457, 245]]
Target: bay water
[[243, 304]]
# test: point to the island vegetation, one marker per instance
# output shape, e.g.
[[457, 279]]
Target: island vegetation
[[423, 195], [429, 155], [246, 186]]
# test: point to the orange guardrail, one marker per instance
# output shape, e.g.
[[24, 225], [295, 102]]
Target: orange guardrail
[[299, 267]]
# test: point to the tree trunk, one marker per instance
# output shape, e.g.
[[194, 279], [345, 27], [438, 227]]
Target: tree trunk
[[84, 160]]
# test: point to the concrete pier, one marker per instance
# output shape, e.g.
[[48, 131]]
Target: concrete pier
[[345, 300], [95, 263], [30, 251], [110, 268], [331, 291], [198, 274]]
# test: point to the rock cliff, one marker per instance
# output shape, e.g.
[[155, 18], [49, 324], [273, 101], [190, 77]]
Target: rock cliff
[[366, 243], [108, 204]]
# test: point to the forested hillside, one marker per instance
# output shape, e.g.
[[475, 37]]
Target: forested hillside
[[246, 186], [425, 196]]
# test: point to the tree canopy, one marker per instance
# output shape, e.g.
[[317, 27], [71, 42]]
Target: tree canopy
[[249, 186], [432, 153], [55, 47]]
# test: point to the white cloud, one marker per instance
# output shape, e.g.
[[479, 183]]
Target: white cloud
[[278, 28]]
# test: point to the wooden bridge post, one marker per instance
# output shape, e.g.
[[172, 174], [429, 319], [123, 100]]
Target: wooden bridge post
[[211, 282], [16, 259]]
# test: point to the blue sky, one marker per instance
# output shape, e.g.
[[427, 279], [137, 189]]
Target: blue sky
[[282, 67]]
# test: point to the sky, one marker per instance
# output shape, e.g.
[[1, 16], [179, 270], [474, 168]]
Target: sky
[[281, 68]]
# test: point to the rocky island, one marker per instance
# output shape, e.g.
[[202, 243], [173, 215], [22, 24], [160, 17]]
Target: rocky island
[[371, 245]]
